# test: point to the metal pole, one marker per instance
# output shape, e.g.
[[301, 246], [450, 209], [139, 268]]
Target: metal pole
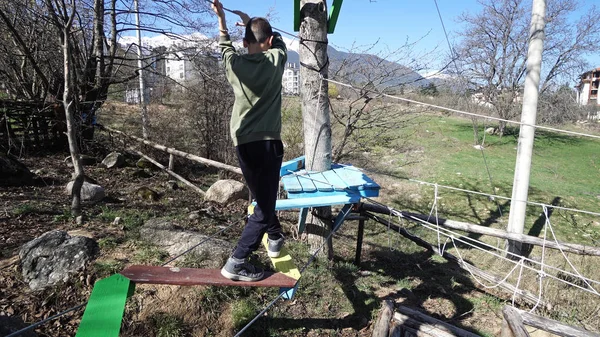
[[140, 72], [359, 237], [516, 219]]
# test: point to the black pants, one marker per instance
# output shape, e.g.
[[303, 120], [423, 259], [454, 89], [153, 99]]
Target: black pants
[[260, 163]]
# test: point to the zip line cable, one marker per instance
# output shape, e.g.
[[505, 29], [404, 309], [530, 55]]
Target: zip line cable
[[463, 112]]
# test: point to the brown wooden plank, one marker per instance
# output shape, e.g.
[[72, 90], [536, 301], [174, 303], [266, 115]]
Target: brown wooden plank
[[193, 276]]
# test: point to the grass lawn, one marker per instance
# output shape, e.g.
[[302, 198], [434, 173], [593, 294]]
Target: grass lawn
[[565, 172]]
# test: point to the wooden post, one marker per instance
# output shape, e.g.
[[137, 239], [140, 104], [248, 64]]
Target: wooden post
[[171, 162], [512, 324], [382, 327], [315, 105]]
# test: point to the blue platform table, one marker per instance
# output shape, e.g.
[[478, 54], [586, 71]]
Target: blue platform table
[[342, 185]]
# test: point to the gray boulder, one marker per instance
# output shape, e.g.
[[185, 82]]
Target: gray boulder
[[54, 257], [114, 159], [89, 192], [226, 191], [166, 235], [13, 172]]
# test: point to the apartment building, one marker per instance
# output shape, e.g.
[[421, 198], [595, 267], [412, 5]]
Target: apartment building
[[291, 79], [587, 89]]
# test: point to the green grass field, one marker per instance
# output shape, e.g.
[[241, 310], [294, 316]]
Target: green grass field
[[439, 149]]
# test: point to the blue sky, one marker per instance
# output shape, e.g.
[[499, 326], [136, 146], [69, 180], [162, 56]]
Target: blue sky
[[392, 21]]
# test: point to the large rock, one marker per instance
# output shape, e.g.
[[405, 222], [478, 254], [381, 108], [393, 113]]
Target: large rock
[[89, 192], [226, 191], [13, 172], [114, 159], [165, 234], [54, 257]]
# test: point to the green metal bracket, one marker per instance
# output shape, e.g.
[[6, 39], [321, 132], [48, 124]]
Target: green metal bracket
[[104, 311], [333, 16], [296, 15], [331, 22]]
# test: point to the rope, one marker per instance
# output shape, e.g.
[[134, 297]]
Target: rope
[[542, 274], [465, 112], [440, 229], [569, 261], [456, 236]]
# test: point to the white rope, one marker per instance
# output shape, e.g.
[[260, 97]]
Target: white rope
[[444, 230], [464, 265], [542, 273], [569, 261], [518, 282], [465, 112], [457, 238]]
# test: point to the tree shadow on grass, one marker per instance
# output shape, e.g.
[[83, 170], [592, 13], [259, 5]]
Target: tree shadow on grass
[[440, 286]]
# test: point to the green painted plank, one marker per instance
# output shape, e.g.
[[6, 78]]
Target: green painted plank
[[333, 17], [104, 311], [321, 182], [296, 15]]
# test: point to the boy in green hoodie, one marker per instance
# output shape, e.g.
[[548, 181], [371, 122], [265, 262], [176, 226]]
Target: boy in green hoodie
[[255, 128]]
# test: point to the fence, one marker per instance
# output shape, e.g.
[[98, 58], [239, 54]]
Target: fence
[[31, 126]]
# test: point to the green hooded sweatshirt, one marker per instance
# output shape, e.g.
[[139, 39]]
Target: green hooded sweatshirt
[[256, 81]]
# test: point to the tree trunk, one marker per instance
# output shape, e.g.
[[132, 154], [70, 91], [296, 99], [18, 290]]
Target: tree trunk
[[69, 104], [315, 105]]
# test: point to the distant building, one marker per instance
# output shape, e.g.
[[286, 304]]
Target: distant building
[[291, 79], [179, 65], [587, 89]]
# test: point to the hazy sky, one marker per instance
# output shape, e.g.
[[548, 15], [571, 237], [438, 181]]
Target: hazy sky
[[363, 22]]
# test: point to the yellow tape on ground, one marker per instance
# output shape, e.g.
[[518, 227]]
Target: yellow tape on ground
[[283, 263]]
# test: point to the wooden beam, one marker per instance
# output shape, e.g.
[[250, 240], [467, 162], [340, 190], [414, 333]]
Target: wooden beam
[[181, 153], [194, 277], [471, 228], [440, 325], [554, 327], [175, 175], [403, 322]]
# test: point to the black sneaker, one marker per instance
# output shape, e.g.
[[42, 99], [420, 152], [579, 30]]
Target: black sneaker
[[274, 246], [240, 270]]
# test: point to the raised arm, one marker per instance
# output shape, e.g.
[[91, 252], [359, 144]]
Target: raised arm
[[227, 49]]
